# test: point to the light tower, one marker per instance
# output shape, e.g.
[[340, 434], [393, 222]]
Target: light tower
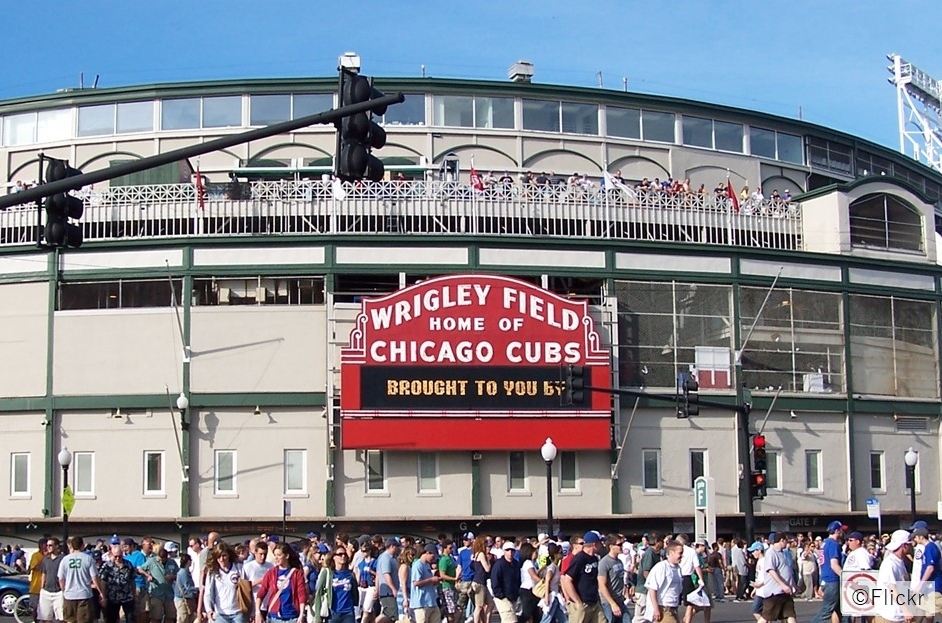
[[919, 106]]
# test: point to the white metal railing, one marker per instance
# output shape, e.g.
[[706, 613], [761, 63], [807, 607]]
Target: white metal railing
[[416, 208]]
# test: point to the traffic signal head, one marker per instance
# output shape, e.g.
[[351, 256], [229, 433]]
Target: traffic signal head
[[61, 207], [759, 485], [359, 134], [573, 390], [691, 402], [759, 453]]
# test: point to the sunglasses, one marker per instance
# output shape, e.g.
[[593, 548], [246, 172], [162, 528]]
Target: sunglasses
[[344, 554]]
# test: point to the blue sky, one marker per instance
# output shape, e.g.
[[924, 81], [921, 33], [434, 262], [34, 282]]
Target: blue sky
[[826, 59]]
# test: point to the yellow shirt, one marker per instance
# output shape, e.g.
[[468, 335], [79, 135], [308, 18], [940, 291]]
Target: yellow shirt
[[35, 573]]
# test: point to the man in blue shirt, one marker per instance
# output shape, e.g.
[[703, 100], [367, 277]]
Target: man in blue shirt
[[387, 582], [466, 573], [831, 573], [423, 597], [927, 566]]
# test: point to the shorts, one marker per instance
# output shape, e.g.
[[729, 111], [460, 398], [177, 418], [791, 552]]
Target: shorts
[[449, 600], [78, 611], [389, 608], [778, 607], [480, 595], [757, 604], [50, 606]]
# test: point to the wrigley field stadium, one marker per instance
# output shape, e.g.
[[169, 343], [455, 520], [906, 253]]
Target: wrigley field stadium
[[238, 341]]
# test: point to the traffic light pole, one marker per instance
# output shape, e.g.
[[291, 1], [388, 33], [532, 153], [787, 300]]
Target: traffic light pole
[[742, 409], [80, 181]]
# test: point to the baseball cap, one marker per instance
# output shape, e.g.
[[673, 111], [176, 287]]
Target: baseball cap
[[897, 540], [114, 540], [171, 547], [920, 532], [392, 541], [855, 535], [835, 525], [756, 547], [542, 537], [508, 545], [591, 537], [322, 548], [273, 538], [919, 524], [772, 537], [431, 549], [313, 535], [469, 536]]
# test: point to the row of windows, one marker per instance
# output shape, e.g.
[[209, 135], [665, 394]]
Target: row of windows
[[295, 472], [154, 476], [813, 468], [235, 111], [131, 293], [427, 470]]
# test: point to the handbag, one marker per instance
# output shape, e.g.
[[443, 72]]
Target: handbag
[[244, 595], [539, 589]]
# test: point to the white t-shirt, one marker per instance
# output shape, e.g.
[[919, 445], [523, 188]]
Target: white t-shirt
[[919, 552], [689, 561], [762, 566], [892, 570], [252, 571], [526, 582], [668, 581], [858, 560]]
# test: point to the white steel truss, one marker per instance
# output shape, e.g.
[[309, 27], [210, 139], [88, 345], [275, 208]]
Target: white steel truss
[[919, 106]]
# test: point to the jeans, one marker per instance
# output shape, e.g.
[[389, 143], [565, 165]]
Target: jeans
[[238, 617], [830, 604], [342, 617], [610, 616], [719, 584], [555, 614]]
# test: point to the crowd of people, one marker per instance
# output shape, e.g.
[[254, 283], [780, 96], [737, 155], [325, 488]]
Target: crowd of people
[[587, 578]]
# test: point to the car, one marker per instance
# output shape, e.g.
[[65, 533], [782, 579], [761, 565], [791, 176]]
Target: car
[[13, 583]]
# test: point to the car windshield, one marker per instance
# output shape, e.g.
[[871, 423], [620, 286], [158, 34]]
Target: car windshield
[[7, 570]]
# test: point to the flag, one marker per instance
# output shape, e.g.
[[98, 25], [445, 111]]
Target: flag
[[733, 199], [476, 182], [611, 184], [200, 191]]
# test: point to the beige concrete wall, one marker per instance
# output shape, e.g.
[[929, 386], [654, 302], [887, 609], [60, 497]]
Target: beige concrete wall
[[878, 433], [258, 349], [260, 442], [118, 445], [23, 433], [120, 351], [24, 314]]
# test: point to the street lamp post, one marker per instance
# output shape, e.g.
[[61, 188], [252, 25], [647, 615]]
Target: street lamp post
[[549, 455], [65, 459], [912, 459]]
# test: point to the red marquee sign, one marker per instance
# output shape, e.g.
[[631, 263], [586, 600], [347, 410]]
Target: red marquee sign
[[472, 362]]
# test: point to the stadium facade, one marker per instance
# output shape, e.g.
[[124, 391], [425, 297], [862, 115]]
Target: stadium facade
[[249, 300]]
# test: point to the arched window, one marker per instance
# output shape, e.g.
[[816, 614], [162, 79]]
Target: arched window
[[885, 222]]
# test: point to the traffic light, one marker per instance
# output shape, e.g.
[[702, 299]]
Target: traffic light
[[759, 489], [573, 386], [691, 399], [61, 207], [359, 134], [759, 467]]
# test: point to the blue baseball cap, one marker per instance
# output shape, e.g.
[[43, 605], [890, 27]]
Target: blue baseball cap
[[835, 525], [919, 525], [756, 547], [114, 540]]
